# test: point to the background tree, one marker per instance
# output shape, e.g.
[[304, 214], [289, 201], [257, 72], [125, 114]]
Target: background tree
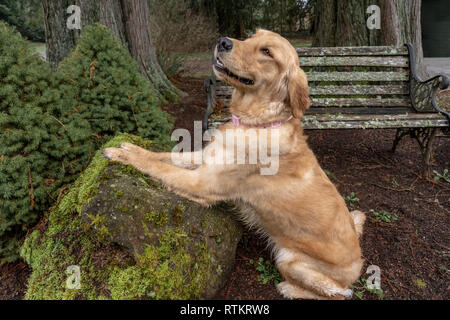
[[179, 27], [236, 18], [400, 24], [343, 23], [129, 22]]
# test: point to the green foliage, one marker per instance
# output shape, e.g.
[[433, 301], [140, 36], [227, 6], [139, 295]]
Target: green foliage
[[26, 15], [101, 82], [169, 62], [444, 176], [52, 123], [352, 200], [41, 149], [361, 286], [384, 216], [268, 272], [420, 283]]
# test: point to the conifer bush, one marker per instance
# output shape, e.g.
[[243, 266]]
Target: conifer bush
[[102, 83], [40, 148], [51, 123]]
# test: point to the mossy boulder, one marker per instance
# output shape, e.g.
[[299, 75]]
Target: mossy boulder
[[130, 238]]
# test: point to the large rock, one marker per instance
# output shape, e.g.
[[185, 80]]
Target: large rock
[[131, 238]]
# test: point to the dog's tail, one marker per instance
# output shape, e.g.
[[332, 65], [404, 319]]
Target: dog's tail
[[358, 219]]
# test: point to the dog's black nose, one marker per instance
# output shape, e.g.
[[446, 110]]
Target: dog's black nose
[[225, 45]]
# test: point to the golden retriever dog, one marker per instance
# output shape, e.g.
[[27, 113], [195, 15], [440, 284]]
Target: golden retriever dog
[[313, 235]]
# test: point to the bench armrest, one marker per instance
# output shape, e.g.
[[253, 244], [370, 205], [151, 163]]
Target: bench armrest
[[423, 92]]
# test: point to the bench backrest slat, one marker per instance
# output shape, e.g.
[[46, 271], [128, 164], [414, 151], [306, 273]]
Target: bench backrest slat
[[350, 77], [358, 76], [352, 51], [371, 102], [367, 61], [346, 90]]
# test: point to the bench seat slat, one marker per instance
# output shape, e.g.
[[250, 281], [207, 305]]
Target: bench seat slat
[[394, 61], [352, 51], [375, 121], [374, 116], [378, 121], [349, 102], [358, 76]]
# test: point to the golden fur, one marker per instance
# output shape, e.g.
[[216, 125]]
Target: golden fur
[[314, 236]]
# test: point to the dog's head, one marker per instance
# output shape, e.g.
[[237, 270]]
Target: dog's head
[[264, 65]]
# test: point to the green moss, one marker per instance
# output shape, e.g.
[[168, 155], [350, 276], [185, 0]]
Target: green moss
[[158, 279], [98, 222], [420, 283], [158, 219], [119, 194], [104, 274], [125, 210], [177, 214]]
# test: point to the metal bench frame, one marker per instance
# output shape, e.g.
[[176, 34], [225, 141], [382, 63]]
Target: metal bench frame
[[422, 95]]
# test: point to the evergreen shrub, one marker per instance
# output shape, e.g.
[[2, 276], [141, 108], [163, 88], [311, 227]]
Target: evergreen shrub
[[51, 123], [40, 149], [102, 83]]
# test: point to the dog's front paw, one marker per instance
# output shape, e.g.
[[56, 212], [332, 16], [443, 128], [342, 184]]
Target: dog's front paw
[[116, 154]]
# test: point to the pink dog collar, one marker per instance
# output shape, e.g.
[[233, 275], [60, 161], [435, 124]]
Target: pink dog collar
[[237, 122]]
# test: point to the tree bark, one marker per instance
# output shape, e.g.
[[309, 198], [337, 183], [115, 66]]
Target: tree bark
[[58, 38], [400, 23], [137, 26], [343, 23], [128, 20]]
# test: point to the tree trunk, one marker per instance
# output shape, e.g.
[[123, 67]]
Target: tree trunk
[[58, 38], [137, 25], [105, 12], [128, 20], [343, 23], [401, 24]]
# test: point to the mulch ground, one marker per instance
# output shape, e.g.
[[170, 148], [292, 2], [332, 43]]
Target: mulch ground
[[412, 252]]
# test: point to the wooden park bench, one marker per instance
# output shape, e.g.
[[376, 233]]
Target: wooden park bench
[[359, 88]]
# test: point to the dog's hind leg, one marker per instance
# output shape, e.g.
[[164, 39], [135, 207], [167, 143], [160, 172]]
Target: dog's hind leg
[[292, 268], [292, 291], [358, 219]]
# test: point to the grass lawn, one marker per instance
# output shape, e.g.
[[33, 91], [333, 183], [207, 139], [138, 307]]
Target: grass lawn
[[38, 46], [194, 56]]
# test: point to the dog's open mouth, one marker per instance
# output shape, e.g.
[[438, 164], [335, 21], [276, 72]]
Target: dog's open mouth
[[218, 65]]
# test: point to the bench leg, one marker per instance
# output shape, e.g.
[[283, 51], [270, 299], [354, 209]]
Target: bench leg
[[424, 137], [401, 132]]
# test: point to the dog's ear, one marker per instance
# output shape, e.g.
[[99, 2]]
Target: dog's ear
[[298, 92]]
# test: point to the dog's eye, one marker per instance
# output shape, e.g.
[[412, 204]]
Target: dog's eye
[[266, 52]]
